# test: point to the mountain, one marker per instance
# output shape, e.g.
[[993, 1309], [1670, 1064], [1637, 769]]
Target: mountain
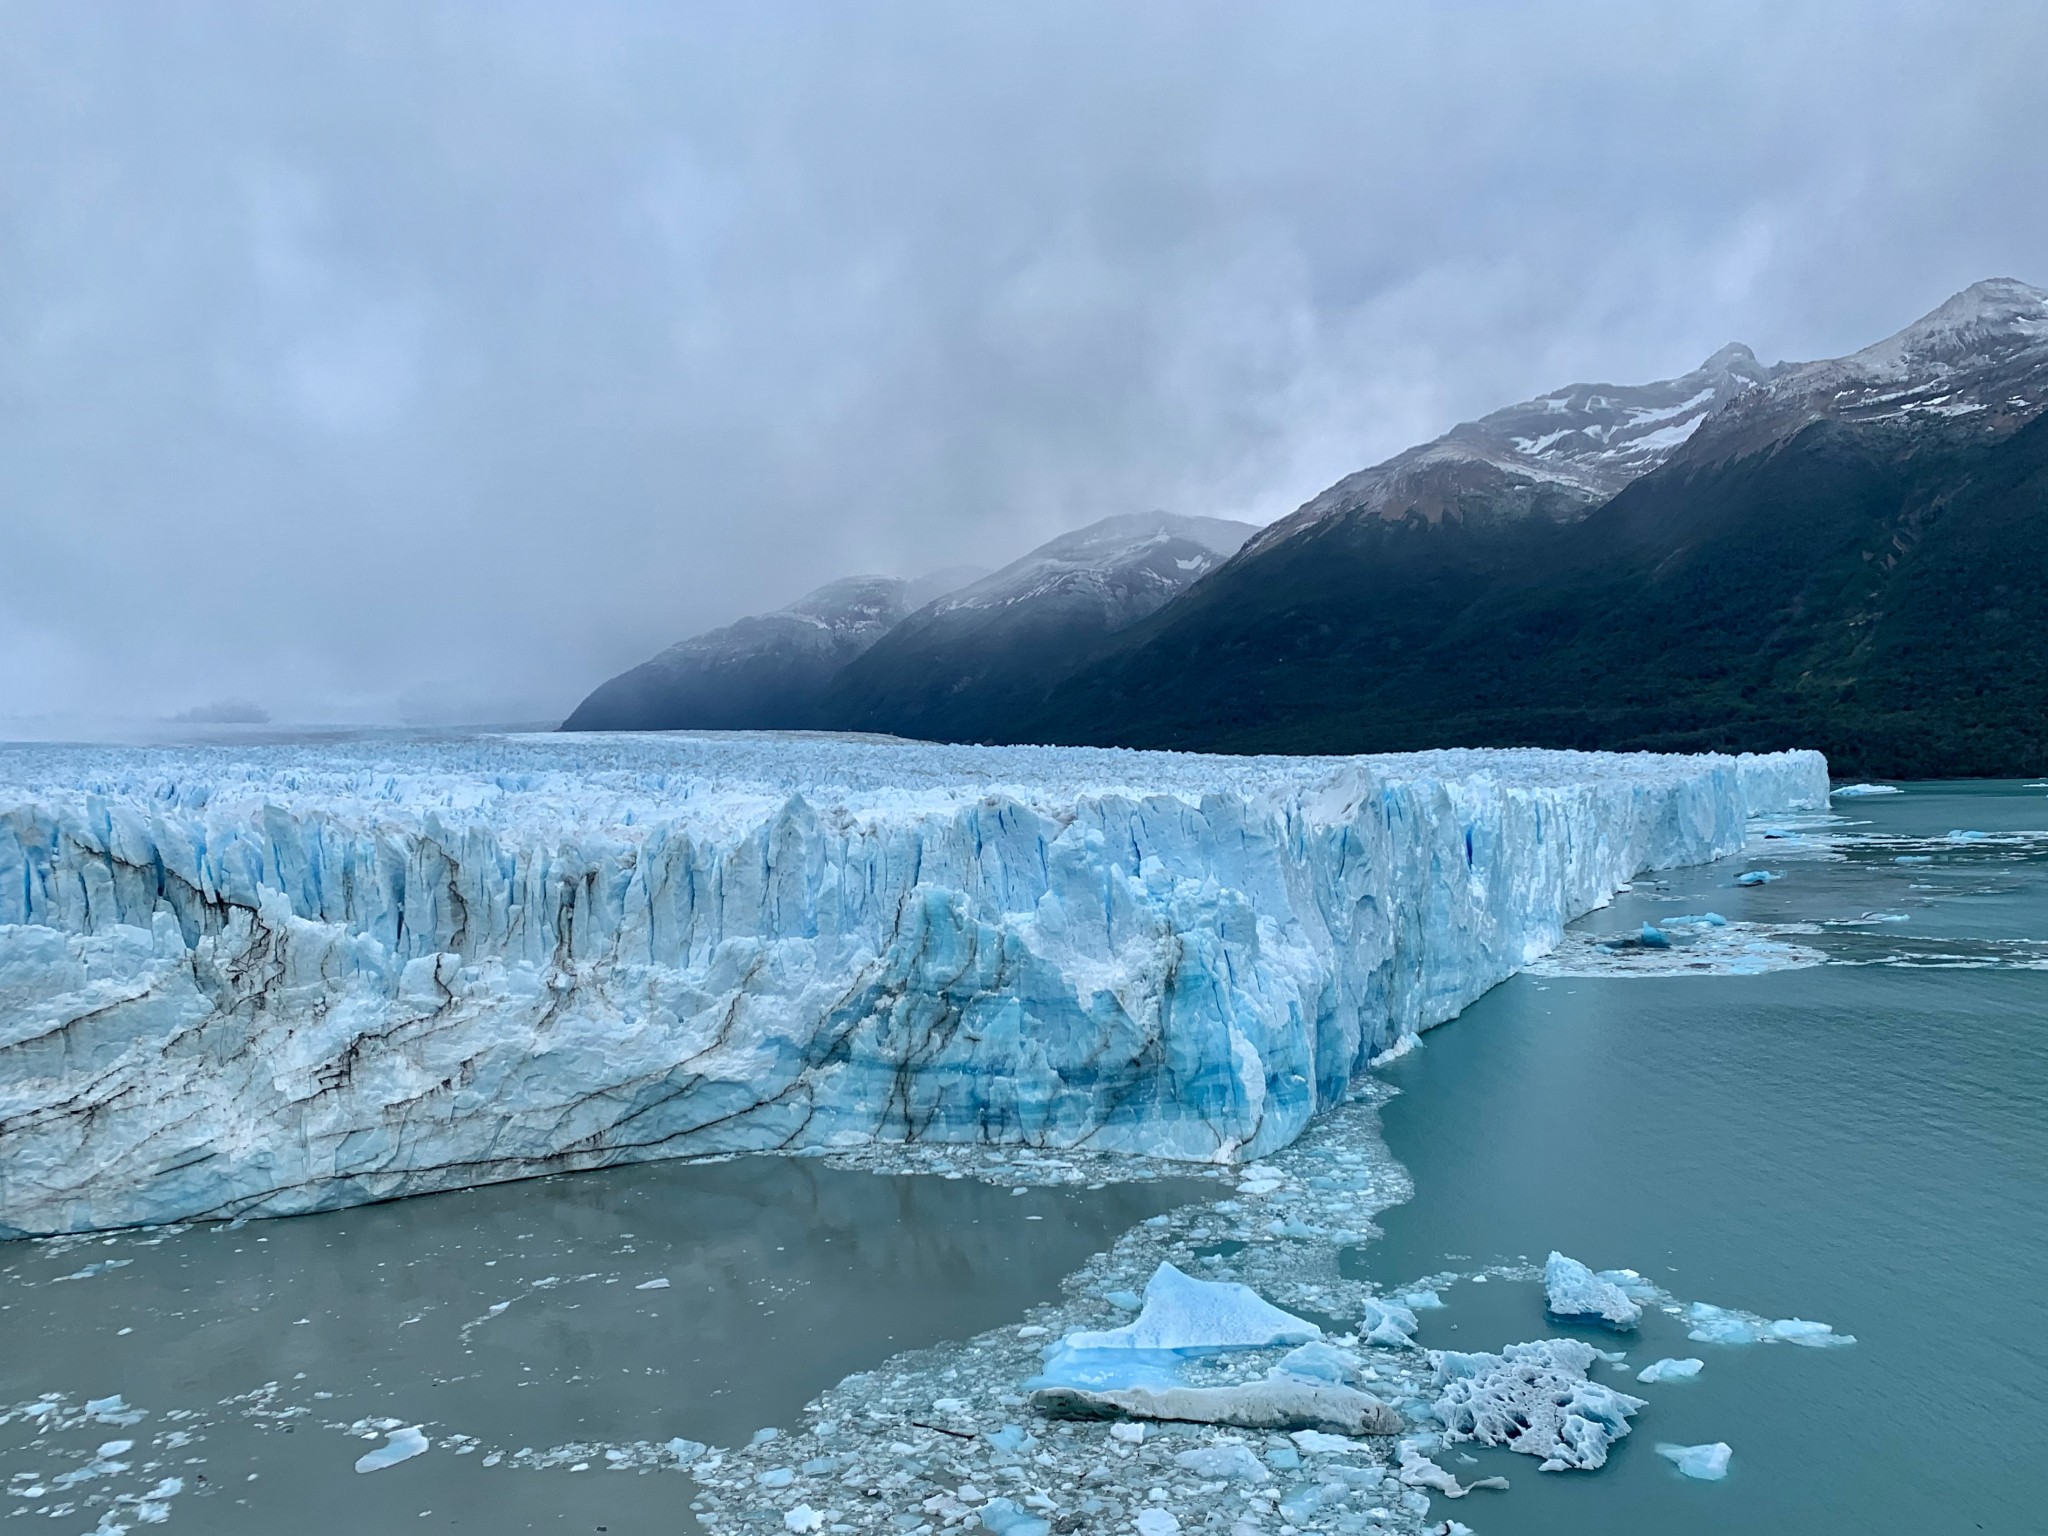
[[1557, 456], [764, 672], [969, 665], [1850, 554]]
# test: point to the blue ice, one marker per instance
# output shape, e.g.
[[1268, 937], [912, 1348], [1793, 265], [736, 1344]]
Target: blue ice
[[1708, 1463]]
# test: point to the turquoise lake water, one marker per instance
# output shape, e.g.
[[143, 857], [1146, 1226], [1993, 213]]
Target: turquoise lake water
[[1864, 1143]]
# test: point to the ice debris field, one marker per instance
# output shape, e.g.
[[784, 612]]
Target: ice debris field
[[266, 980]]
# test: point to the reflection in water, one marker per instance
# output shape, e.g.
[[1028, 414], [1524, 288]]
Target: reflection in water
[[598, 1312]]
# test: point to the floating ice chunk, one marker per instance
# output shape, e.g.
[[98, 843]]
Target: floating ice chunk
[[1278, 1402], [802, 1518], [1157, 1522], [1671, 1370], [1124, 1301], [1725, 1325], [1418, 1471], [1419, 1299], [1108, 1370], [686, 1451], [1914, 858], [653, 1285], [1963, 835], [1533, 1398], [114, 1410], [1322, 1362], [1572, 1290], [1388, 1324], [1797, 1330], [1011, 1440], [1758, 877], [1182, 1313], [1006, 1518], [1708, 1463], [1860, 791], [1314, 1442], [1231, 1463], [1654, 938], [399, 1445]]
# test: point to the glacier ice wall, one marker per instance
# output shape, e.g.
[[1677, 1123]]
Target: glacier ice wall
[[277, 979]]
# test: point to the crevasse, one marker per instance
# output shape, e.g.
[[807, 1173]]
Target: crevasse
[[278, 979]]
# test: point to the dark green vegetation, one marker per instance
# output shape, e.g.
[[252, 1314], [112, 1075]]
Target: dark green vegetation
[[1876, 590]]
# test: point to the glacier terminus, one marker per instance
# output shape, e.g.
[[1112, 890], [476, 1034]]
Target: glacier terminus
[[276, 979]]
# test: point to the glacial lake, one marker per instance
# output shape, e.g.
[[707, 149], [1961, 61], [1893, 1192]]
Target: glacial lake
[[564, 1317], [1863, 1142]]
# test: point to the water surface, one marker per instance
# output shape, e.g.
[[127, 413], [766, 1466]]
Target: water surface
[[517, 1317], [1864, 1143]]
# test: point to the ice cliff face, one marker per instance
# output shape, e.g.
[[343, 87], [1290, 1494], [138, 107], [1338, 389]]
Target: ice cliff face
[[273, 980]]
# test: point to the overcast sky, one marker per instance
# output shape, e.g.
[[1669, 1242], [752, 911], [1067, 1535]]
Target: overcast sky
[[369, 361]]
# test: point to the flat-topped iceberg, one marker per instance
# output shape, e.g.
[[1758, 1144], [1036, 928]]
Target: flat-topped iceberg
[[264, 980]]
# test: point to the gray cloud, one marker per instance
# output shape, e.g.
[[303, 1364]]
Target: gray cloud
[[392, 358]]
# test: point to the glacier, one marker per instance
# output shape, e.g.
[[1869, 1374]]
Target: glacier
[[264, 980]]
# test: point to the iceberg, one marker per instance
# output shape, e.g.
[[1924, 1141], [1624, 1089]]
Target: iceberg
[[1572, 1290], [1862, 791], [1671, 1370], [1708, 1463], [1388, 1324], [1710, 1324], [1188, 1315], [264, 980], [1278, 1402], [1533, 1398], [399, 1445]]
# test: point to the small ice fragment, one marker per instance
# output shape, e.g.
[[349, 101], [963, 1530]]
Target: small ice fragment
[[1859, 791], [653, 1285], [1708, 1463], [1230, 1463], [1322, 1362], [1573, 1290], [1130, 1434], [1671, 1370], [776, 1477], [684, 1451], [763, 1436], [400, 1445], [1124, 1301], [1757, 877], [1914, 858], [1388, 1324], [1157, 1522], [1313, 1442], [1654, 938], [802, 1518], [1419, 1299], [1004, 1517], [113, 1447]]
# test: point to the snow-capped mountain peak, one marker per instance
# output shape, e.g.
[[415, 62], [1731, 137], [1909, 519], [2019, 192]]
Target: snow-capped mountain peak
[[1558, 455], [1979, 359], [1149, 555]]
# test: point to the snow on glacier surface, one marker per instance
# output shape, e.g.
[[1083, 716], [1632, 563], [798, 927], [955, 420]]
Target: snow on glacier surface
[[260, 980]]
